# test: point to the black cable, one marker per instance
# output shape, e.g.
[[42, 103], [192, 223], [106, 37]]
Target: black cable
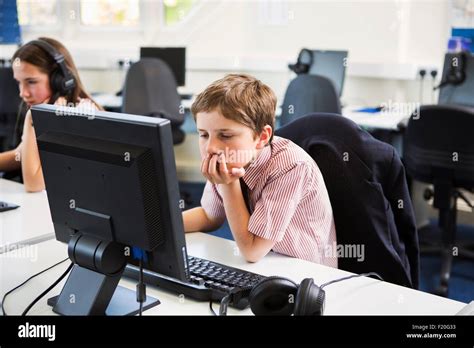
[[422, 74], [352, 276], [141, 289], [433, 74], [26, 281], [212, 309], [47, 290]]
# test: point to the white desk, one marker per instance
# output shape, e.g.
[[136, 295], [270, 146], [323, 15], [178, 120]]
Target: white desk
[[381, 120], [359, 296], [107, 100], [30, 223]]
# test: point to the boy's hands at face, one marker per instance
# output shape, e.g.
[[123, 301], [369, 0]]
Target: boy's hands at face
[[214, 169]]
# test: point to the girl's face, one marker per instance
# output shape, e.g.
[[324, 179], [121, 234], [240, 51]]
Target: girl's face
[[33, 83]]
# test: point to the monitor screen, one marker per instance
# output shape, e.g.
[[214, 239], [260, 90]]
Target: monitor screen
[[457, 89], [175, 57], [112, 178], [330, 64]]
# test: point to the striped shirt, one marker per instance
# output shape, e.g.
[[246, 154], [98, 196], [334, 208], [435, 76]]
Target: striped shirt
[[289, 203]]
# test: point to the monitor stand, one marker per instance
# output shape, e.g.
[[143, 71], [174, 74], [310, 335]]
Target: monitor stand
[[92, 286], [123, 302]]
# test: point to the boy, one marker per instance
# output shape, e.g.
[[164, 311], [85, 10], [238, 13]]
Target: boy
[[270, 190]]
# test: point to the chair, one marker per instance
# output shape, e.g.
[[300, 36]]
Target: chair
[[9, 107], [150, 90], [439, 150], [368, 192], [306, 94]]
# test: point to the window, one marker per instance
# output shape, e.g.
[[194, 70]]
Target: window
[[176, 10], [37, 12], [110, 13]]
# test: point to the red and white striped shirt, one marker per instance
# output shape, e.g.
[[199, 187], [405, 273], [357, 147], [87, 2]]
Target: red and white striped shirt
[[289, 203]]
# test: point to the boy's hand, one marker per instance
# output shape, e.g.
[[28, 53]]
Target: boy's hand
[[215, 170]]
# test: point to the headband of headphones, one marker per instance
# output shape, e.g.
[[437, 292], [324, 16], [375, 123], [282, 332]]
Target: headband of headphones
[[303, 63]]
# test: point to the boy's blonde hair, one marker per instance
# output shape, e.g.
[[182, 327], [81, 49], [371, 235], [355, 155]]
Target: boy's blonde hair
[[241, 98]]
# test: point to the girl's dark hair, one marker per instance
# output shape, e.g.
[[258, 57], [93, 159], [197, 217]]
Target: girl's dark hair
[[38, 57]]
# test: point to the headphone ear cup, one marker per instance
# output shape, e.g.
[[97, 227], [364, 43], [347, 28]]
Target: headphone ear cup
[[56, 82], [273, 296], [309, 299]]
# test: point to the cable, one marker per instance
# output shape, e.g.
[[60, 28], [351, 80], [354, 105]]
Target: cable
[[141, 289], [230, 297], [26, 281], [352, 276], [212, 309], [422, 74], [433, 74], [47, 290], [224, 304]]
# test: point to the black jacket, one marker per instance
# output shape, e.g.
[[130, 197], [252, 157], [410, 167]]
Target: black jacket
[[369, 195]]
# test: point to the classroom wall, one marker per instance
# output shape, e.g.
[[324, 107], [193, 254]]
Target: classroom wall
[[388, 41]]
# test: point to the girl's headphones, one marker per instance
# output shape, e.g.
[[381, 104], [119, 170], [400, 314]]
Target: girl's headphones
[[303, 63], [61, 80]]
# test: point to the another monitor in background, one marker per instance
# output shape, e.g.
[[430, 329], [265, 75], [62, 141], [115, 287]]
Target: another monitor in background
[[330, 64], [457, 81], [114, 198], [175, 57]]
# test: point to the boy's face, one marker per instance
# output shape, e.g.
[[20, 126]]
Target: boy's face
[[218, 134]]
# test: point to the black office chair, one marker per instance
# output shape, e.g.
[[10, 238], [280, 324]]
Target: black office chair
[[368, 192], [151, 90], [9, 106], [439, 149], [309, 93]]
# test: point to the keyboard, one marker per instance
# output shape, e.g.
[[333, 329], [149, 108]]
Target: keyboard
[[208, 281]]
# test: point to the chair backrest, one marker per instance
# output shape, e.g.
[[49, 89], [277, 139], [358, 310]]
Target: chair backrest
[[151, 90], [439, 144], [369, 196], [309, 93], [9, 98], [9, 108]]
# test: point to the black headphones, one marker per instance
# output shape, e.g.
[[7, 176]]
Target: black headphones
[[282, 296], [456, 73], [61, 80], [303, 63]]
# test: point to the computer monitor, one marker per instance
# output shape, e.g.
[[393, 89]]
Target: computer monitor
[[114, 198], [175, 57], [457, 81], [330, 64]]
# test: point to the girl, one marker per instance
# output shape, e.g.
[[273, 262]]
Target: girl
[[45, 73]]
